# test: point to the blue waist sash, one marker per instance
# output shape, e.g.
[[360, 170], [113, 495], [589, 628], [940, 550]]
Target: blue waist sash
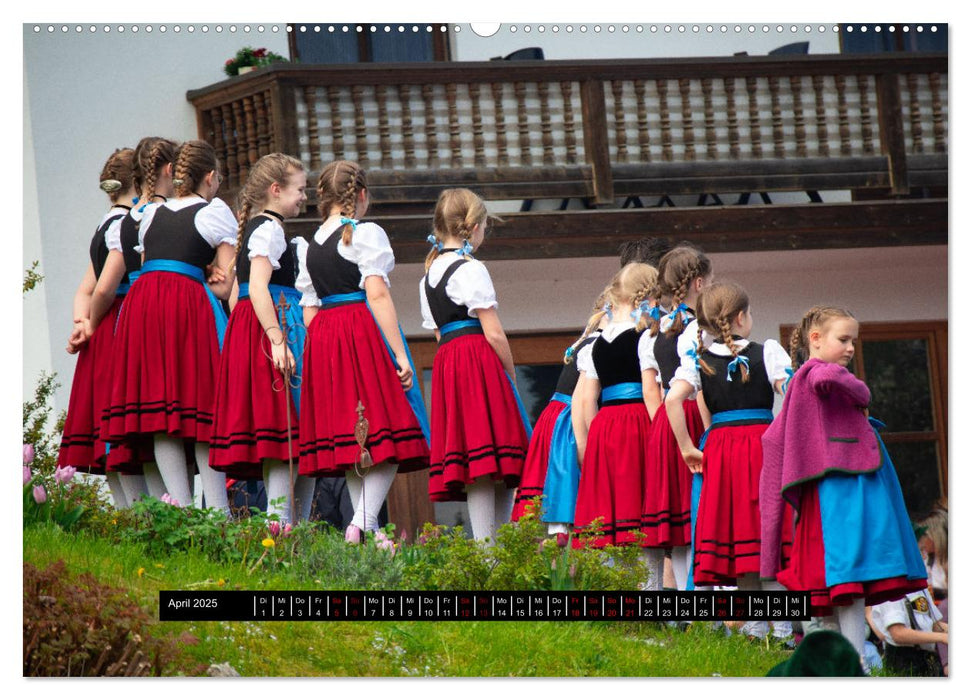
[[275, 290], [743, 416], [458, 328], [562, 398], [193, 272], [132, 276], [334, 300], [122, 289], [626, 390]]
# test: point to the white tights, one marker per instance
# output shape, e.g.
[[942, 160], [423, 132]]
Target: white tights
[[490, 505], [653, 558], [848, 620], [170, 456], [368, 493], [276, 478]]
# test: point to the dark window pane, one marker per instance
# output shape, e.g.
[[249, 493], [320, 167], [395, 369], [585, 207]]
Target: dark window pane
[[536, 384], [919, 475], [316, 48], [853, 40], [898, 375], [401, 47]]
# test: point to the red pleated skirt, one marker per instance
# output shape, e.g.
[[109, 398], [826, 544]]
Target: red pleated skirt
[[346, 362], [613, 474], [666, 509], [167, 355], [81, 443], [728, 533], [476, 426], [806, 568], [537, 460], [251, 421]]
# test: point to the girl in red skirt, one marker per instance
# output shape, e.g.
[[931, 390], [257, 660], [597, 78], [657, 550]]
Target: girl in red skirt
[[153, 162], [737, 381], [170, 328], [82, 445], [853, 543], [355, 355], [613, 445], [666, 516], [552, 467], [255, 421], [479, 429]]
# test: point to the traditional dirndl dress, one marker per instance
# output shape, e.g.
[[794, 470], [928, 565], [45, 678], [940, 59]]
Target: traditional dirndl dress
[[170, 327], [666, 499], [81, 444], [478, 423], [727, 526], [256, 415], [853, 539], [552, 468], [616, 461], [347, 362]]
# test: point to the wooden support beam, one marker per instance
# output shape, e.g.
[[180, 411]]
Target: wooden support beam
[[595, 142], [720, 229], [892, 143]]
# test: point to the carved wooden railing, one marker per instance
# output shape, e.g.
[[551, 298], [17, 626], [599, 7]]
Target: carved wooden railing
[[599, 130]]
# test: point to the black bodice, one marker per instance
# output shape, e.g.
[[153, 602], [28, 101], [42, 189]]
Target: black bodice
[[329, 272], [723, 395], [172, 235], [285, 276]]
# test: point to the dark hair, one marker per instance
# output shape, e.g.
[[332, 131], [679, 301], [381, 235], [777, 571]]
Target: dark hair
[[644, 250], [151, 154], [117, 174], [718, 305], [679, 267], [194, 161]]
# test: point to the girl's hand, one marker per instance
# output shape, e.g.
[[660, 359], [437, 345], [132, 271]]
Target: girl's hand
[[283, 358], [215, 274], [692, 457], [405, 375]]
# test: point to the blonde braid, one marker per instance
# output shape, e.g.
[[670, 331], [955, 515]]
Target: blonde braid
[[726, 332], [796, 346], [641, 294], [348, 208], [701, 360], [677, 326]]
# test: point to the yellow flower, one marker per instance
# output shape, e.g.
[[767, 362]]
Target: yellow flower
[[268, 542], [160, 566], [221, 582], [114, 521], [141, 570]]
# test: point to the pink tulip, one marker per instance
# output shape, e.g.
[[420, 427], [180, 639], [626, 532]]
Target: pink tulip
[[166, 498], [40, 495], [287, 529], [27, 475], [62, 475], [274, 528], [28, 453], [382, 541]]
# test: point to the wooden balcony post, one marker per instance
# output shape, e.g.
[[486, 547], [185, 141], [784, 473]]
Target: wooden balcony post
[[595, 143], [892, 131]]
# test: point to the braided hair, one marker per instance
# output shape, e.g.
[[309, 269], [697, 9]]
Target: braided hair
[[117, 175], [678, 269], [816, 317], [592, 323], [457, 212], [339, 184], [151, 155], [718, 305], [274, 167], [193, 162]]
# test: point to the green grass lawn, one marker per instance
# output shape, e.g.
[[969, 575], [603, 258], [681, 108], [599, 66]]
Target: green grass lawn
[[367, 648]]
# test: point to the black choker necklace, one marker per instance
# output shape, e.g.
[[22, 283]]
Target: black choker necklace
[[122, 206], [164, 198], [198, 195], [273, 213]]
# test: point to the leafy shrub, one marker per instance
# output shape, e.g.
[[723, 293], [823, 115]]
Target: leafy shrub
[[326, 557], [85, 629]]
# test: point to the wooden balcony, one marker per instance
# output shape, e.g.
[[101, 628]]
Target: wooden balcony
[[615, 133]]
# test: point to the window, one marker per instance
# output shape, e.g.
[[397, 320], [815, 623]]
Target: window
[[905, 367], [326, 47], [853, 40]]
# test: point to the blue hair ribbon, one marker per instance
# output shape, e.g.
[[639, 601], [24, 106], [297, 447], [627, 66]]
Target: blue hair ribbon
[[352, 222], [466, 248], [733, 365], [692, 352], [606, 310], [636, 314], [683, 310], [655, 312], [785, 384], [436, 244]]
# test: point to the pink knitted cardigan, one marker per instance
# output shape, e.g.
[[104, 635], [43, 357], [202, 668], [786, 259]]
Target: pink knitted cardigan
[[821, 428]]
